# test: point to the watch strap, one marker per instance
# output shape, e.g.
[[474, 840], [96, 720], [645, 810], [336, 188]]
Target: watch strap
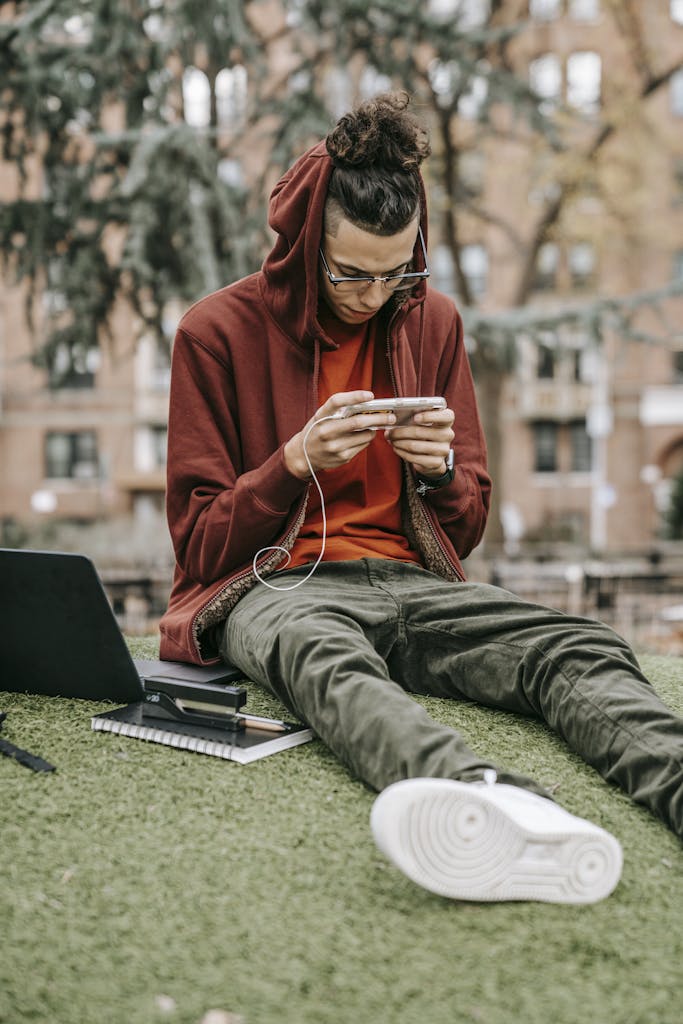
[[426, 483]]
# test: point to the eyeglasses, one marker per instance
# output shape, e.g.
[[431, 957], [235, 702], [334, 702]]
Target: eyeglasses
[[392, 282]]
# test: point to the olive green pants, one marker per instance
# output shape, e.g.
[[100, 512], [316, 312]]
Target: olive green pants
[[345, 650]]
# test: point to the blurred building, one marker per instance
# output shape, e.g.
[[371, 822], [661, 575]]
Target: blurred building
[[593, 434], [83, 439]]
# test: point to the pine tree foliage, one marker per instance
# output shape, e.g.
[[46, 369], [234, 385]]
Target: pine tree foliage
[[132, 205], [70, 69]]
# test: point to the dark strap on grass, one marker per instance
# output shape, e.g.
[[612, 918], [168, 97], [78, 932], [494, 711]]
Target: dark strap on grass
[[32, 761]]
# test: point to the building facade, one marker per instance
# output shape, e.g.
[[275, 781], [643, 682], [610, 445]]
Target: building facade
[[591, 411], [591, 423]]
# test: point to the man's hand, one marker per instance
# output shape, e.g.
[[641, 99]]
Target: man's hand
[[425, 441], [336, 441]]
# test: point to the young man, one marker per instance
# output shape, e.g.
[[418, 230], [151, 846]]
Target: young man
[[262, 370]]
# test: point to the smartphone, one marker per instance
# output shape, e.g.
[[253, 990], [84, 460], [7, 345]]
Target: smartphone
[[404, 408]]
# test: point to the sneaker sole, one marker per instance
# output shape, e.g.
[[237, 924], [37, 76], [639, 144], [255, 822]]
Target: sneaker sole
[[449, 838]]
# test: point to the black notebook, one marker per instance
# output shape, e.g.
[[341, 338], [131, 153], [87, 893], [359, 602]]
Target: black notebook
[[243, 745]]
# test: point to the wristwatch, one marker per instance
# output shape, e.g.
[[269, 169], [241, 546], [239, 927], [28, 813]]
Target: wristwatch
[[431, 483]]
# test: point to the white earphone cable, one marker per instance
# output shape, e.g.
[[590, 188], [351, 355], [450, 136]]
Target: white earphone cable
[[277, 547]]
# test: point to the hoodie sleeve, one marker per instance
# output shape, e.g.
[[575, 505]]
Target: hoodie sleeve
[[218, 514]]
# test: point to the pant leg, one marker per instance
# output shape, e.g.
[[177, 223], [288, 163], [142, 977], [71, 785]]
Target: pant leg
[[480, 642], [322, 649]]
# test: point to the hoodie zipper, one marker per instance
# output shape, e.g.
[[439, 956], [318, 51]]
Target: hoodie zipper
[[425, 509], [281, 542], [428, 516]]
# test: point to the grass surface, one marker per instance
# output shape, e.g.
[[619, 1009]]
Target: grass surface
[[141, 884]]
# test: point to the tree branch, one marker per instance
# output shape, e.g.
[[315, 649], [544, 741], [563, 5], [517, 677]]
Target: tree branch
[[532, 319], [10, 31], [554, 209]]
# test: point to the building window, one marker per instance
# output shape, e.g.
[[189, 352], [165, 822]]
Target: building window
[[576, 349], [676, 93], [229, 171], [677, 367], [677, 193], [54, 297], [547, 264], [467, 13], [160, 445], [152, 364], [72, 366], [451, 84], [443, 271], [231, 96], [373, 82], [545, 446], [473, 13], [196, 98], [471, 170], [545, 10], [475, 266], [149, 452], [160, 376], [581, 452], [299, 82], [441, 10], [584, 10], [473, 99], [676, 8], [584, 73], [582, 264], [544, 187], [442, 78], [545, 78], [71, 455], [545, 363], [337, 91], [295, 12]]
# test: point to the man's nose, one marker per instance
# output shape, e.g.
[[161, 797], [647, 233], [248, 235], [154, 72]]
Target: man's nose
[[374, 295]]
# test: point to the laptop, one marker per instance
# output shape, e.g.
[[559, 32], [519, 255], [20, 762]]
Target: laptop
[[59, 636]]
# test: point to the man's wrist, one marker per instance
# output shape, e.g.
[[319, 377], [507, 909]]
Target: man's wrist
[[433, 474], [295, 461], [434, 483]]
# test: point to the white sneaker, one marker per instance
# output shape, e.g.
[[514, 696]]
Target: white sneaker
[[473, 841]]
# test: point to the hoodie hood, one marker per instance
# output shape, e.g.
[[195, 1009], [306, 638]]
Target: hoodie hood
[[290, 271]]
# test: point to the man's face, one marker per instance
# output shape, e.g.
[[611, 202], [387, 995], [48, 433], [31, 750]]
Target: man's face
[[352, 252]]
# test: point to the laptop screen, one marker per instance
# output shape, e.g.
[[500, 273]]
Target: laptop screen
[[58, 632]]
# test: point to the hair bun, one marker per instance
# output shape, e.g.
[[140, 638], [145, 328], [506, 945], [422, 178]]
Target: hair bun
[[379, 133]]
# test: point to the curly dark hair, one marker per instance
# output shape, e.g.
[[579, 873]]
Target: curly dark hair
[[376, 150]]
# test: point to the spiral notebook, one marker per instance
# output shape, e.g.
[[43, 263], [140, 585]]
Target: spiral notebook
[[259, 737]]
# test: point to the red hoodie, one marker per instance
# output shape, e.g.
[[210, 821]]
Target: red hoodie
[[244, 381]]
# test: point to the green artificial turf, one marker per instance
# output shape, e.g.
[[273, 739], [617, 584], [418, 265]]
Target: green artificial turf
[[140, 884]]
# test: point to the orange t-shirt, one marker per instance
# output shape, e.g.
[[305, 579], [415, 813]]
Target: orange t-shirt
[[362, 498]]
